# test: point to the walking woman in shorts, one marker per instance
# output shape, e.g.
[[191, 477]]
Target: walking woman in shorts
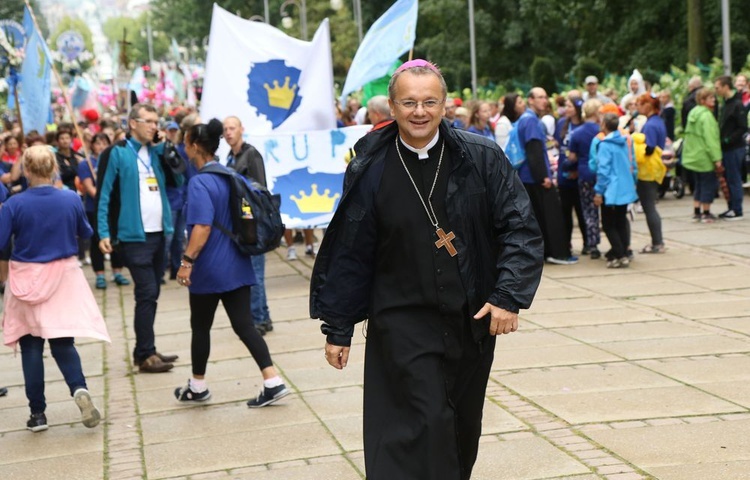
[[213, 269], [48, 297]]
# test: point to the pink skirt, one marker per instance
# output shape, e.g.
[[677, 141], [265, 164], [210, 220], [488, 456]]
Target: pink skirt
[[50, 300]]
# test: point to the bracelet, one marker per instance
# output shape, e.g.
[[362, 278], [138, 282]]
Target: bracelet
[[188, 259], [185, 265]]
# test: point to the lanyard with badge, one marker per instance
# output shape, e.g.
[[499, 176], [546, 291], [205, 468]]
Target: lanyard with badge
[[151, 183]]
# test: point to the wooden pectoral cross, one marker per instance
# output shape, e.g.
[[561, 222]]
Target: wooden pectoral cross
[[445, 241]]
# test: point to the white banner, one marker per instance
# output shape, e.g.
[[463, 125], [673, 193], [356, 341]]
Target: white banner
[[307, 170], [268, 79]]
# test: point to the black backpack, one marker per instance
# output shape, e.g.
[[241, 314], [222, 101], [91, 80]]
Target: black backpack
[[256, 218]]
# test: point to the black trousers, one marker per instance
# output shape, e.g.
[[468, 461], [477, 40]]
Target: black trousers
[[616, 227], [424, 391], [548, 212], [237, 305], [570, 200]]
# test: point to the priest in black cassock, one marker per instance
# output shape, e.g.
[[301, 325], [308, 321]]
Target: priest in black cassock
[[434, 243]]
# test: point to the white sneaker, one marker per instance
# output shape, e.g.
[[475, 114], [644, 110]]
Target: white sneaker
[[90, 415], [291, 254]]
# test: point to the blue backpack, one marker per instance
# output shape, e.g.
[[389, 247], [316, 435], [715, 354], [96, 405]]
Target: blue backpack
[[514, 150], [256, 218]]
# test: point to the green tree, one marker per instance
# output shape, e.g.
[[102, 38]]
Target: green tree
[[543, 74]]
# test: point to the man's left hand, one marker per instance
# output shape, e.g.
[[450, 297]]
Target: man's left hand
[[502, 321]]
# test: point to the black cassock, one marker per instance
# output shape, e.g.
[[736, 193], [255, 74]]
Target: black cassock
[[425, 377]]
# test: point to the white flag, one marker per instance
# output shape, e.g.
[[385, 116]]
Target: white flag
[[268, 79]]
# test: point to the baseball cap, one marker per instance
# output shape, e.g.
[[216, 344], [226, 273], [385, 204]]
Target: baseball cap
[[591, 79], [173, 126]]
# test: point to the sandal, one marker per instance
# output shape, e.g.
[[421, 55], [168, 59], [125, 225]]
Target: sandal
[[654, 249]]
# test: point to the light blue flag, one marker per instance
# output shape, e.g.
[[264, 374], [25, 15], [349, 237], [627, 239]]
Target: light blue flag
[[391, 36], [34, 88]]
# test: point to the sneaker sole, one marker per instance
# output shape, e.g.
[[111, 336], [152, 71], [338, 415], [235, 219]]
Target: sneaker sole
[[38, 429], [275, 399], [90, 415]]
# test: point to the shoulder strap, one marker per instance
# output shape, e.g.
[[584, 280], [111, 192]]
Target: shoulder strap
[[217, 170]]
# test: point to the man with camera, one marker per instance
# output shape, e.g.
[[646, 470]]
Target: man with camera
[[133, 188]]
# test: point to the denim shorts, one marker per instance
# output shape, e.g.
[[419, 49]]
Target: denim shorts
[[706, 186]]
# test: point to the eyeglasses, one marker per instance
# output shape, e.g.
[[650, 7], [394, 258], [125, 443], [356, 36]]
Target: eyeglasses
[[143, 120], [412, 105]]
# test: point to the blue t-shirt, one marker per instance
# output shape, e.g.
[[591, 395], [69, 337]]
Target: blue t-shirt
[[44, 222], [220, 267], [564, 166], [580, 144], [487, 132], [84, 172], [530, 127], [655, 132]]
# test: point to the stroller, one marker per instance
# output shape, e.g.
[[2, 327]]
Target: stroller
[[673, 181]]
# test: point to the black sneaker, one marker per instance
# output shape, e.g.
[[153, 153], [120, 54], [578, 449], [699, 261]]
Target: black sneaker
[[731, 216], [37, 422], [186, 394], [264, 327], [268, 396], [595, 254]]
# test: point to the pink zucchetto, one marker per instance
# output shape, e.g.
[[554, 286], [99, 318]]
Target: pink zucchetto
[[418, 62]]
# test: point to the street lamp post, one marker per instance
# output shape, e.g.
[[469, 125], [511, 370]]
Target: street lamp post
[[472, 50], [265, 12], [286, 20], [726, 43], [358, 17]]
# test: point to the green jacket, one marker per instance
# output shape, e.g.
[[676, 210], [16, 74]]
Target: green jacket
[[701, 146], [123, 166]]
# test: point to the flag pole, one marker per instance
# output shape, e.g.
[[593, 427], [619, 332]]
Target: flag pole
[[59, 81], [18, 109]]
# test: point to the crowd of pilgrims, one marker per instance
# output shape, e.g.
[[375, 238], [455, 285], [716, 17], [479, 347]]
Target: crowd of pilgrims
[[572, 122], [646, 124]]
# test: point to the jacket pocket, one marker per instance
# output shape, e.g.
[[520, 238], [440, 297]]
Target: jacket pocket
[[354, 215]]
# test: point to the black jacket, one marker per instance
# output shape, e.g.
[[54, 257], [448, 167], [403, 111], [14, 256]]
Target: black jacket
[[733, 123], [249, 164], [500, 247]]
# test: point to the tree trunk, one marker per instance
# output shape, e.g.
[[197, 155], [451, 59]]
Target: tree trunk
[[696, 36]]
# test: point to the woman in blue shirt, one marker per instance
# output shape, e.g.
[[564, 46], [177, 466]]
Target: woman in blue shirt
[[648, 191], [48, 297], [567, 171], [479, 121], [213, 269], [580, 144]]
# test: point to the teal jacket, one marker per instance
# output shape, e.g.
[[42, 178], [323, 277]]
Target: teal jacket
[[123, 166], [701, 146], [616, 170]]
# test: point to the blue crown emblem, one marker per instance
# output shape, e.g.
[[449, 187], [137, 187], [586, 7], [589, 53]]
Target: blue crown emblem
[[274, 90]]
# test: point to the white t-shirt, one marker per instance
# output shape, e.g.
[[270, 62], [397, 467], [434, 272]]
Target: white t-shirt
[[150, 196]]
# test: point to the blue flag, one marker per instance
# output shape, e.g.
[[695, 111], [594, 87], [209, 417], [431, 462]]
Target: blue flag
[[34, 88], [391, 36]]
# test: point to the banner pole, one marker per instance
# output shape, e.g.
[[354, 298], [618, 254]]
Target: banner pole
[[59, 82]]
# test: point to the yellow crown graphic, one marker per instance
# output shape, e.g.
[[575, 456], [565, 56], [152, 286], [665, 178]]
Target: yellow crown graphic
[[315, 203], [280, 97]]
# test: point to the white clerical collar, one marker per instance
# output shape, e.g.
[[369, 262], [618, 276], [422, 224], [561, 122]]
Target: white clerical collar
[[422, 153]]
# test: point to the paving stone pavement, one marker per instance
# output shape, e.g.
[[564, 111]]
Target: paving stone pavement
[[626, 374]]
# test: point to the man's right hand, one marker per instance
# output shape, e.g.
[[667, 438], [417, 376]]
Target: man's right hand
[[337, 356], [105, 246], [547, 183]]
